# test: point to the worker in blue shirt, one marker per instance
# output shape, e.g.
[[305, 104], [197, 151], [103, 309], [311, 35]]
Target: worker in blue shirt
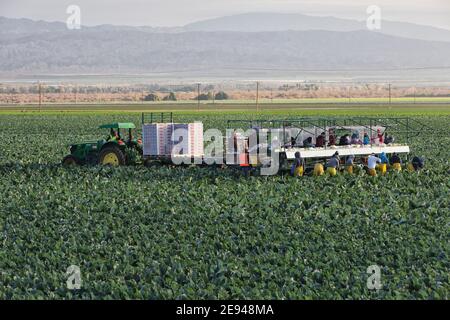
[[382, 167], [366, 139], [384, 158]]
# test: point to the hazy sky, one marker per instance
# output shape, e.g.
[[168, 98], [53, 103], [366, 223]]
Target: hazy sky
[[180, 12]]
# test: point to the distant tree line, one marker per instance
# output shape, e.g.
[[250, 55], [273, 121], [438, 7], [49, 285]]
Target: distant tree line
[[221, 95], [154, 97]]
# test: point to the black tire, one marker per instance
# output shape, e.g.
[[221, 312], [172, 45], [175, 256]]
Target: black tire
[[151, 163], [70, 160], [108, 152]]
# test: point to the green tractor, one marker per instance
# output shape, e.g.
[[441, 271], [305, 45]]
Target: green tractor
[[115, 150]]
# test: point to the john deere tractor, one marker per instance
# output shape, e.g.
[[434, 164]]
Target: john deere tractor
[[115, 150]]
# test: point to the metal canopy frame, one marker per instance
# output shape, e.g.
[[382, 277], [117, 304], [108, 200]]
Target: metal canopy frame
[[398, 125], [161, 117]]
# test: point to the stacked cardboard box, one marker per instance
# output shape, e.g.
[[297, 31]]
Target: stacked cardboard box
[[155, 139], [160, 139]]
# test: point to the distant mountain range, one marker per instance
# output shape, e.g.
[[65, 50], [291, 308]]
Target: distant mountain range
[[263, 22], [235, 46]]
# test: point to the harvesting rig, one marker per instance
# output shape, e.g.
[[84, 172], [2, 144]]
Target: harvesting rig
[[294, 133], [314, 139]]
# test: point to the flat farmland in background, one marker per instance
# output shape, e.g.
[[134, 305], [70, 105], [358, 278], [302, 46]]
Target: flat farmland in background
[[303, 108]]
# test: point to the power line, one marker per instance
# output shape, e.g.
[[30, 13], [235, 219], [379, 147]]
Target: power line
[[198, 96], [338, 70], [257, 95]]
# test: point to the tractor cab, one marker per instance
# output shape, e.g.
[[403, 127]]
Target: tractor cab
[[121, 133], [120, 147]]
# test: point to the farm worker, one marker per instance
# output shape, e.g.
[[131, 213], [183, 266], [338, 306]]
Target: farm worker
[[307, 143], [297, 168], [396, 162], [382, 167], [244, 156], [332, 137], [384, 158], [366, 140], [318, 169], [113, 136], [236, 139], [345, 140], [244, 160], [320, 141], [372, 164], [349, 163], [348, 140], [355, 138], [416, 164], [293, 142], [333, 164], [389, 139], [380, 136]]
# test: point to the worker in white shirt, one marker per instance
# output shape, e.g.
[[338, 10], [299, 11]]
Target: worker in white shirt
[[372, 164]]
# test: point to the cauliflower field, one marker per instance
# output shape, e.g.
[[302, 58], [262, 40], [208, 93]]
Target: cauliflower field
[[204, 233]]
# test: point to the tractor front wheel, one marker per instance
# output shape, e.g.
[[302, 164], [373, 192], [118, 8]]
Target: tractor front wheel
[[70, 160], [112, 156]]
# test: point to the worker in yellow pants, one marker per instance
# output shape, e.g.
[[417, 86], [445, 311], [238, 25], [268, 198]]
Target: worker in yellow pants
[[416, 164], [298, 168], [298, 172], [318, 170], [349, 164], [372, 164], [331, 171], [333, 164], [382, 168], [396, 162]]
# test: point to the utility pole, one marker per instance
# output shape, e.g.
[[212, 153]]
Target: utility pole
[[414, 94], [390, 94], [257, 95], [40, 96], [198, 96], [348, 93], [271, 95], [76, 94]]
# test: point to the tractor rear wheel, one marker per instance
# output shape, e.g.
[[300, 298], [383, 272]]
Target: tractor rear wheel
[[112, 156], [70, 160]]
